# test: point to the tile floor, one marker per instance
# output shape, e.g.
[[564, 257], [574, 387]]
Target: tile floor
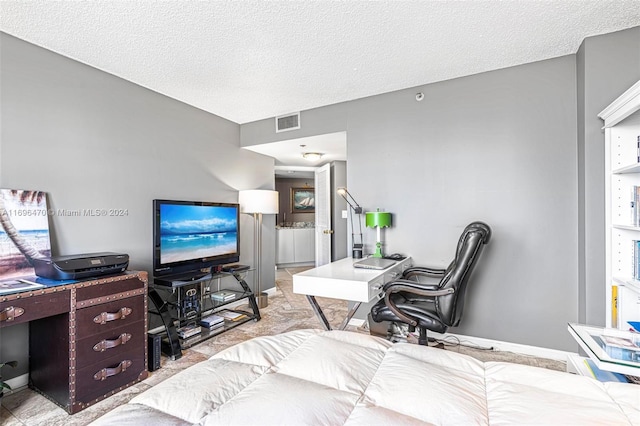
[[286, 311]]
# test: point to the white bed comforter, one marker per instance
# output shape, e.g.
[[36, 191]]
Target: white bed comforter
[[312, 377]]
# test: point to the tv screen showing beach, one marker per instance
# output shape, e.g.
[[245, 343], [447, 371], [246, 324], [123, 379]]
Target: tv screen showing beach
[[24, 231], [196, 232]]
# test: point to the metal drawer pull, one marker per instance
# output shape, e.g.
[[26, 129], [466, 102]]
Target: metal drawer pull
[[108, 372], [105, 317], [108, 344], [10, 313]]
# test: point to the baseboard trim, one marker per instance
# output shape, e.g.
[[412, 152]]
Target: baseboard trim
[[283, 266], [497, 345], [17, 383], [356, 322], [270, 291]]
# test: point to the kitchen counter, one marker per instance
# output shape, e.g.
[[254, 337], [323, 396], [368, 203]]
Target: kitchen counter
[[296, 225]]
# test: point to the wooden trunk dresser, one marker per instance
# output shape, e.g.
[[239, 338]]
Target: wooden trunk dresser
[[87, 340]]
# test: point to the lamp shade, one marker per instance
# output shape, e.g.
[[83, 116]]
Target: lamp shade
[[378, 219], [346, 195], [258, 201]]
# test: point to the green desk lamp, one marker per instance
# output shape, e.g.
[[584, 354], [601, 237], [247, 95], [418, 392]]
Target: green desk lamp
[[378, 220]]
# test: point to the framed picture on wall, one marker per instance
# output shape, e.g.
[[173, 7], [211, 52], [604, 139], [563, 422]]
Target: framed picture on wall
[[303, 200]]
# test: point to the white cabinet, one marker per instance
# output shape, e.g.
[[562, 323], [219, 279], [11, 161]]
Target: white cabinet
[[622, 176], [284, 239], [295, 245], [304, 243]]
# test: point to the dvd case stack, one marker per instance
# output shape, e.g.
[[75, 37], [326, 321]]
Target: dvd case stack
[[189, 330], [212, 322], [636, 259], [635, 207]]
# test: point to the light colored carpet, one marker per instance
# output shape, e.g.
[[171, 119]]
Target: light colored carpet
[[336, 310], [286, 311]]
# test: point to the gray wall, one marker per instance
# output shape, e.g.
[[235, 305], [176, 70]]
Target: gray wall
[[339, 225], [92, 140], [498, 147], [506, 147], [283, 186]]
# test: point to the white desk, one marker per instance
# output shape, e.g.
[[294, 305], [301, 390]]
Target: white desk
[[340, 280]]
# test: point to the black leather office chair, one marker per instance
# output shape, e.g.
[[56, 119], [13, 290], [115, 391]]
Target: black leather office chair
[[438, 305]]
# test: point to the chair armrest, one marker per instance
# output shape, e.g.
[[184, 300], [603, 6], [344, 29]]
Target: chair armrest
[[414, 288], [423, 270], [410, 284]]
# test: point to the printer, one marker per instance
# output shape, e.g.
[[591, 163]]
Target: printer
[[78, 266]]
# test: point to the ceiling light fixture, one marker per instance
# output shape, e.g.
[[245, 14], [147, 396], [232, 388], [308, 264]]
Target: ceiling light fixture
[[312, 156]]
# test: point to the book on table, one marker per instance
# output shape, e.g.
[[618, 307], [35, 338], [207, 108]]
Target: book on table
[[15, 286], [231, 315], [223, 295], [603, 375], [618, 348], [620, 342]]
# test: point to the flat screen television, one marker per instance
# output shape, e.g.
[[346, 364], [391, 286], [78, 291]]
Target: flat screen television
[[193, 236]]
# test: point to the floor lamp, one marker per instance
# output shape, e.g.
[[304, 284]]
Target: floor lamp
[[258, 202], [357, 210]]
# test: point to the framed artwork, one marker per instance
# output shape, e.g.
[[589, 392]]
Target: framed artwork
[[303, 200], [24, 233]]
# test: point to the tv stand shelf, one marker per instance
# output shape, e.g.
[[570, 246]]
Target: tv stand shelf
[[182, 280], [181, 301]]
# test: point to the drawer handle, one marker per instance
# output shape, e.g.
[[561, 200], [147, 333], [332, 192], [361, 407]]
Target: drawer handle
[[105, 317], [108, 372], [10, 313], [108, 344]]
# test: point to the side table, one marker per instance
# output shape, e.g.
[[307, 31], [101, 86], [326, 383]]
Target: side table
[[610, 349]]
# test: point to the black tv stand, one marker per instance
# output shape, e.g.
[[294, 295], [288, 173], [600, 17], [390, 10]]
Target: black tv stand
[[181, 302], [235, 268], [179, 280]]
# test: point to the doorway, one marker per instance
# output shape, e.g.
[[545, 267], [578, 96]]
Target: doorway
[[293, 171]]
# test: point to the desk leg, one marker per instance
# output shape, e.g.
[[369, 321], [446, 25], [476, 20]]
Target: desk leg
[[318, 310], [350, 315]]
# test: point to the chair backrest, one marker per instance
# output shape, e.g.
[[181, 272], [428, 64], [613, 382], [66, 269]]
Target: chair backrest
[[456, 276]]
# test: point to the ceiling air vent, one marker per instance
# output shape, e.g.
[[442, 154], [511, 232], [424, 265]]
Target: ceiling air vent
[[288, 122]]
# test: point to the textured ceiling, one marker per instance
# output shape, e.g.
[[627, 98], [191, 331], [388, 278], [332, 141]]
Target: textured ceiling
[[249, 60]]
